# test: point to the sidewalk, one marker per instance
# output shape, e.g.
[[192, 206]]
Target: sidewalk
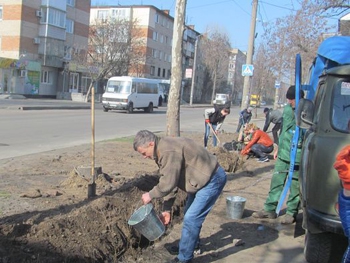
[[20, 102]]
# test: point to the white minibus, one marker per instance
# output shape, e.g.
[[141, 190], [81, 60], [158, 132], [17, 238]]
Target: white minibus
[[164, 87], [129, 93]]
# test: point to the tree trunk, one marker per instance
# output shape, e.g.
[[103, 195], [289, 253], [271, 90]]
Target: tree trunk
[[173, 112], [89, 91], [214, 88]]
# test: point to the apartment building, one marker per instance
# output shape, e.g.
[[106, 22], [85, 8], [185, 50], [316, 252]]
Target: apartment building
[[156, 32], [344, 25], [38, 38], [235, 79], [155, 29]]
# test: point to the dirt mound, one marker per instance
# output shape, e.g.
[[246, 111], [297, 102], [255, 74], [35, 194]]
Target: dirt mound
[[70, 228]]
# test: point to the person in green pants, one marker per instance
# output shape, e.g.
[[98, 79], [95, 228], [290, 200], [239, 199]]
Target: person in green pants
[[282, 164]]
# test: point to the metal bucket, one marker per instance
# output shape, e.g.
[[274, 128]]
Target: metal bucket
[[147, 222], [235, 206]]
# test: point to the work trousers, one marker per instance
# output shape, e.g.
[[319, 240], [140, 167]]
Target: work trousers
[[240, 124], [260, 150], [279, 178], [207, 133], [198, 206]]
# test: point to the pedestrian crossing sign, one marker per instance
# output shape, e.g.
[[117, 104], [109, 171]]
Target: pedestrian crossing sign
[[247, 70]]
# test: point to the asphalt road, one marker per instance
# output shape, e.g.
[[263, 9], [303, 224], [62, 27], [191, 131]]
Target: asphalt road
[[67, 124]]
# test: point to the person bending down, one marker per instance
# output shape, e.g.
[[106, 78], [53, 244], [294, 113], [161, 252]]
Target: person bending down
[[260, 143]]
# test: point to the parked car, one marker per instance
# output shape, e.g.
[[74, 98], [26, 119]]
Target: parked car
[[222, 99], [262, 103]]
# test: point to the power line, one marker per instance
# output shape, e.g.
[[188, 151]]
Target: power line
[[199, 6], [278, 6]]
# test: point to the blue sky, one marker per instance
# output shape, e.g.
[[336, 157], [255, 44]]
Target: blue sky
[[231, 16]]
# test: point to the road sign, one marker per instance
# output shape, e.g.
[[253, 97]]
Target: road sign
[[247, 70], [188, 73], [277, 84]]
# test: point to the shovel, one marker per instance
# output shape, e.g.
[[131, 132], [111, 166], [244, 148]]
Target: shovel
[[217, 138], [92, 185]]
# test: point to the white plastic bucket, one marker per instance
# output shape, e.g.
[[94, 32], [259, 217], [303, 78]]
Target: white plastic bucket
[[147, 222], [235, 206]]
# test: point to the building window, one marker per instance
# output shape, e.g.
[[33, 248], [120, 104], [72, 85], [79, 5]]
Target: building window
[[163, 72], [159, 70], [153, 70], [56, 17], [67, 53], [154, 53], [85, 83], [71, 2], [155, 36], [156, 18], [160, 55], [69, 26], [0, 12], [102, 14], [119, 13], [46, 77]]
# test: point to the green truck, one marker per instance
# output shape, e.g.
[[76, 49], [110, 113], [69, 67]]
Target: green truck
[[325, 117]]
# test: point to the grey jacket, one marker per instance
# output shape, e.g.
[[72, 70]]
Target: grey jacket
[[182, 164], [274, 116]]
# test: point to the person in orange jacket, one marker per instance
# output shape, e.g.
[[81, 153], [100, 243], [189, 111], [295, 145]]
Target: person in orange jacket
[[342, 165], [260, 144]]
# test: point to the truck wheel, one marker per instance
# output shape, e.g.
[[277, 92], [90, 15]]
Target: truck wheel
[[149, 109], [130, 108], [318, 247]]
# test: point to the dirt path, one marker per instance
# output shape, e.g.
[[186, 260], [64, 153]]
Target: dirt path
[[46, 217]]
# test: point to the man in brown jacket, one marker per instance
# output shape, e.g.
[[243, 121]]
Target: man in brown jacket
[[186, 165]]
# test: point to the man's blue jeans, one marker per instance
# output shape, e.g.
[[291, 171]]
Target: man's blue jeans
[[261, 150], [198, 206], [206, 134], [344, 214]]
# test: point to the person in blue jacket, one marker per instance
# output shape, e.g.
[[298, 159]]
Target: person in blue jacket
[[244, 117]]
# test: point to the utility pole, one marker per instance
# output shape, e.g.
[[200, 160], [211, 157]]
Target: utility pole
[[247, 79], [194, 68]]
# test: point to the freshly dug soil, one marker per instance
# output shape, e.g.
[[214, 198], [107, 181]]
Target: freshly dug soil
[[47, 217]]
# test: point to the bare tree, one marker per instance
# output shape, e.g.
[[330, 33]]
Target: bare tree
[[333, 7], [299, 33], [173, 112], [264, 78], [113, 49], [216, 47]]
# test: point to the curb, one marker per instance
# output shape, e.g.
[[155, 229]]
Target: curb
[[48, 108]]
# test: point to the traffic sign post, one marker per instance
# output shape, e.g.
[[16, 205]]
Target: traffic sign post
[[247, 70], [277, 84]]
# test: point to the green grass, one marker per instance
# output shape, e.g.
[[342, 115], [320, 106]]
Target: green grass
[[4, 194]]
